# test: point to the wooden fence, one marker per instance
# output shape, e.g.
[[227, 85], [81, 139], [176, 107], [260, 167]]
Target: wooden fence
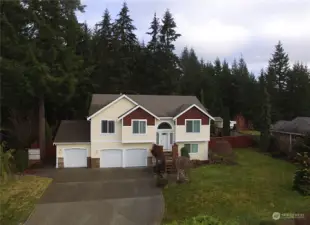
[[243, 141]]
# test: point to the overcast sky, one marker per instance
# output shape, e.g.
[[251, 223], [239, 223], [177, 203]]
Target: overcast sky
[[223, 28]]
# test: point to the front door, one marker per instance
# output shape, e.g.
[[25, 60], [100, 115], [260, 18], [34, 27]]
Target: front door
[[164, 140]]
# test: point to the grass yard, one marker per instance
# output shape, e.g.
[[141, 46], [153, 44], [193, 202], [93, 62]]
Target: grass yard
[[18, 198], [251, 132], [244, 194]]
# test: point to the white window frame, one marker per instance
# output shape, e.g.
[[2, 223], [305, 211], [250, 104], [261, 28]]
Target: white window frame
[[190, 144], [193, 126], [139, 120], [108, 127]]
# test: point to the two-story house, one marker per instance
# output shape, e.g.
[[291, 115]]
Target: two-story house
[[121, 129]]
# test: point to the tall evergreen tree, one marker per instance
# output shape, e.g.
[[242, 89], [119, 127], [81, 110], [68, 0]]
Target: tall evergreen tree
[[168, 62], [104, 56], [53, 63], [168, 34], [298, 92], [276, 77], [190, 82], [155, 27], [126, 48], [265, 116]]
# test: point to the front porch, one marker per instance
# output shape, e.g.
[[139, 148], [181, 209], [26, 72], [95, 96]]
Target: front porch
[[165, 136]]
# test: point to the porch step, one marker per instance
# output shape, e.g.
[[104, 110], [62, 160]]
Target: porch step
[[170, 168]]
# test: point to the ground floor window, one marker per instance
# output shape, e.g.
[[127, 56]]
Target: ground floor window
[[192, 148]]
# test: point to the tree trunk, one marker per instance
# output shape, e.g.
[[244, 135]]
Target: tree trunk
[[42, 127]]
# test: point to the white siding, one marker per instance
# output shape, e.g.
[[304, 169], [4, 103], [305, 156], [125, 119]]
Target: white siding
[[111, 113], [203, 148], [181, 135], [129, 137]]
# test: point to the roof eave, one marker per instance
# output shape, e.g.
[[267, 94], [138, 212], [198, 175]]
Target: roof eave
[[111, 103], [191, 106]]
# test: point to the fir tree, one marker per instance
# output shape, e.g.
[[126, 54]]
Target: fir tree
[[265, 116], [276, 78], [155, 27], [168, 34]]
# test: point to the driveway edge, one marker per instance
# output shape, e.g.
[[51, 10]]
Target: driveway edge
[[162, 208]]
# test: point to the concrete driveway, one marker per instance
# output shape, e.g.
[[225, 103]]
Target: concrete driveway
[[99, 197]]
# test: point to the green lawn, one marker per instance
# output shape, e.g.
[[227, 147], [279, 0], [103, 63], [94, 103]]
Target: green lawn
[[251, 132], [18, 198], [246, 193]]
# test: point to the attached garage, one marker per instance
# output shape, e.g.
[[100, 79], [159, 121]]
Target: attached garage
[[111, 158], [75, 157], [135, 157]]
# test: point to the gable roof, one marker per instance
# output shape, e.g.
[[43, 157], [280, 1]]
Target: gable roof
[[188, 108], [133, 109], [299, 125], [160, 105], [73, 131]]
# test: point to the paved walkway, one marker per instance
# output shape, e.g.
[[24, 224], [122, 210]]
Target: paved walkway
[[99, 197]]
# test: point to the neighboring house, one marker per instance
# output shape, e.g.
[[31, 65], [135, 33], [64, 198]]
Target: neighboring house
[[218, 123], [121, 129], [287, 131], [242, 123]]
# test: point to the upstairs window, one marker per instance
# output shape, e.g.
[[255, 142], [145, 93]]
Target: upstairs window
[[193, 126], [107, 126], [139, 126]]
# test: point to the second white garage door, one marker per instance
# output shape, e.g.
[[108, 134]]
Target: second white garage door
[[135, 158], [111, 158]]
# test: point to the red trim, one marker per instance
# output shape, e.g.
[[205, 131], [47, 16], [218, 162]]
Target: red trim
[[193, 113], [137, 114]]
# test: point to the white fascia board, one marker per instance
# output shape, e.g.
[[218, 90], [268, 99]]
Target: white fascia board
[[194, 105], [111, 103]]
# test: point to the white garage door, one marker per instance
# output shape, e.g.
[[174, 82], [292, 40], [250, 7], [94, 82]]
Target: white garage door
[[75, 157], [111, 158], [135, 157]]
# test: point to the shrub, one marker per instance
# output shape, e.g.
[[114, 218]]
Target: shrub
[[21, 160], [7, 163], [302, 144], [185, 152], [222, 152], [302, 175]]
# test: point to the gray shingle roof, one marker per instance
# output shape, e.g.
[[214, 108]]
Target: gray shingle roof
[[160, 105], [73, 131], [299, 125]]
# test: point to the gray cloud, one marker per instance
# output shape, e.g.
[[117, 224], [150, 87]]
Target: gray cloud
[[224, 28]]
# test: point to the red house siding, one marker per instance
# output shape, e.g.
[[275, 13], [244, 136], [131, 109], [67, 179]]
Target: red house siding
[[193, 113], [139, 114]]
